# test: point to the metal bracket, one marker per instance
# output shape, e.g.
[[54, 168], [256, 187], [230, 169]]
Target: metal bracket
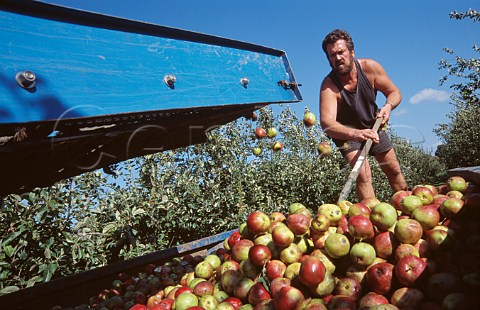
[[288, 85]]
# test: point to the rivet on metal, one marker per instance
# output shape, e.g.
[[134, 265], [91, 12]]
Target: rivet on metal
[[26, 79], [170, 80], [244, 81]]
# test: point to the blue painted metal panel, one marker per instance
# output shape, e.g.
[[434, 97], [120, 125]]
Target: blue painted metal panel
[[100, 96], [84, 71]]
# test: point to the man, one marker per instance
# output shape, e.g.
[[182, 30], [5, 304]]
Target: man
[[348, 110]]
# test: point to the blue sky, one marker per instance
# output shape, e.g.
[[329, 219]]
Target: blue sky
[[406, 37]]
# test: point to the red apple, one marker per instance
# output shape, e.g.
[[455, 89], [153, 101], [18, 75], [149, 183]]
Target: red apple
[[234, 238], [258, 293], [249, 270], [289, 298], [349, 287], [203, 288], [312, 271], [397, 197], [236, 302], [277, 217], [229, 265], [282, 236], [258, 222], [324, 148], [432, 188], [411, 271], [309, 119], [405, 249], [259, 255], [240, 250], [298, 223], [424, 193], [360, 227], [342, 302], [229, 280], [385, 244], [277, 284], [277, 146], [428, 216], [359, 209], [342, 225], [372, 299], [166, 304], [379, 277], [275, 269], [260, 133], [408, 231], [370, 202]]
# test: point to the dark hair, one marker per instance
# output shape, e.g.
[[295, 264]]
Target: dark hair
[[334, 36]]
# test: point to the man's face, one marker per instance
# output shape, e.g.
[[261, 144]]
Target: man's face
[[340, 57]]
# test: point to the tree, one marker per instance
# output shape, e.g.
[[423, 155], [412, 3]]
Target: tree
[[461, 136]]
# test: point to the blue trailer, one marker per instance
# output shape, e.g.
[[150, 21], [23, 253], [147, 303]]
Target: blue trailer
[[80, 91]]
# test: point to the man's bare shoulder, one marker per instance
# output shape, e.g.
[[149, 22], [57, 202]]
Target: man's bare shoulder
[[368, 65], [328, 83]]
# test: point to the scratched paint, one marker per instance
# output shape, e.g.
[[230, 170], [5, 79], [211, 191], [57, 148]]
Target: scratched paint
[[84, 71]]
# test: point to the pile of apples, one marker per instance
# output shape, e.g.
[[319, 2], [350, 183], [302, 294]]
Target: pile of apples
[[420, 250]]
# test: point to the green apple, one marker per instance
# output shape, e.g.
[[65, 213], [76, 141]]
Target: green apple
[[384, 216], [337, 245], [332, 212], [272, 132], [309, 119], [185, 301]]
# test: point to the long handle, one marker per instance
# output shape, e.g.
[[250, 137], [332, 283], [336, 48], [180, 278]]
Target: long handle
[[352, 177]]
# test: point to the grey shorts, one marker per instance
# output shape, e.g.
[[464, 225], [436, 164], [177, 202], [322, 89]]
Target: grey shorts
[[382, 146]]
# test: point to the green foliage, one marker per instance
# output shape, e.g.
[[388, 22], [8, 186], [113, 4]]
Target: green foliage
[[461, 136], [176, 196]]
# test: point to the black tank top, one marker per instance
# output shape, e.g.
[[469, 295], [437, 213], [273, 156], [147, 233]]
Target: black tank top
[[358, 108]]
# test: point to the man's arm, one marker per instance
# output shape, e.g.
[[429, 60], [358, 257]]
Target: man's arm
[[384, 84], [329, 97]]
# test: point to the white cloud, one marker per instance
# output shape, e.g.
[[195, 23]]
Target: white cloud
[[430, 94]]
